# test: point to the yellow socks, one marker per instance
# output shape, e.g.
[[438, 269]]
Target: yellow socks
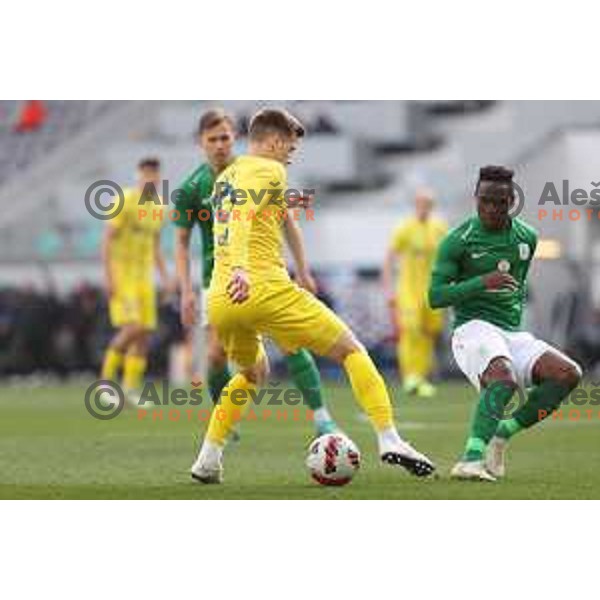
[[369, 389], [113, 361], [133, 371], [226, 413]]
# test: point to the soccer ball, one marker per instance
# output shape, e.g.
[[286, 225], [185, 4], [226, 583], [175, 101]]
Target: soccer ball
[[333, 459]]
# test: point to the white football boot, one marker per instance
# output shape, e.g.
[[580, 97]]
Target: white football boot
[[494, 459], [473, 470], [393, 450], [208, 467]]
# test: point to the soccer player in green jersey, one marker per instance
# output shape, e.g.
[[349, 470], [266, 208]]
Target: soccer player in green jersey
[[216, 137], [481, 271]]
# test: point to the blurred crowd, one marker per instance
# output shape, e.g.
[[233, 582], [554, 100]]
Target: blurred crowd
[[47, 333]]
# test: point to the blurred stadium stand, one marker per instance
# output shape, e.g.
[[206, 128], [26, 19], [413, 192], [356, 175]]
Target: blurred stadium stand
[[364, 158]]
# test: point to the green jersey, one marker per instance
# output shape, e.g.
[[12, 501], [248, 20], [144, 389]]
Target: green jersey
[[192, 201], [470, 251]]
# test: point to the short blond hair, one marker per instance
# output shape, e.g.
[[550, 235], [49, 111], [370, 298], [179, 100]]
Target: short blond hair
[[274, 121]]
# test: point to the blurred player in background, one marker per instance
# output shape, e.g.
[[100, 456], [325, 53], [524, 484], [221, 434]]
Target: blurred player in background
[[251, 294], [130, 252], [481, 270], [416, 325], [216, 137]]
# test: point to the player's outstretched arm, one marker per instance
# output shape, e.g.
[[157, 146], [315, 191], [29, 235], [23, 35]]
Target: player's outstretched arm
[[295, 240]]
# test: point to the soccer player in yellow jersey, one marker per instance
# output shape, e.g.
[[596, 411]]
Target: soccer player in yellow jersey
[[130, 252], [216, 136], [415, 242], [251, 294]]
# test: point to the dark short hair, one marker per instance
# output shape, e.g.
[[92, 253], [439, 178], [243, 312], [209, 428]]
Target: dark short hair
[[150, 162], [213, 117], [274, 120], [494, 174]]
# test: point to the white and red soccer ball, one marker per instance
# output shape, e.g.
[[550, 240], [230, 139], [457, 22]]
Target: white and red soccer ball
[[333, 459]]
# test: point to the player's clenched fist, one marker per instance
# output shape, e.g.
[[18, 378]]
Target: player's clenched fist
[[239, 286], [500, 281]]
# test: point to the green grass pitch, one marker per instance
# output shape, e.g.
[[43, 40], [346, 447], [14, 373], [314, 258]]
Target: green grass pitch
[[50, 447]]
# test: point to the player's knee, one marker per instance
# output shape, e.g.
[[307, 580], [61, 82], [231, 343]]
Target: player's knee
[[131, 337], [500, 372], [568, 375], [258, 373], [344, 347], [142, 338]]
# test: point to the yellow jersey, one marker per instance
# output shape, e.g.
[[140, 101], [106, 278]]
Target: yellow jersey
[[417, 243], [132, 253], [249, 211]]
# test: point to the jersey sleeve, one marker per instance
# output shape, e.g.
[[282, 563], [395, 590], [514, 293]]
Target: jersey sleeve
[[534, 243], [444, 289]]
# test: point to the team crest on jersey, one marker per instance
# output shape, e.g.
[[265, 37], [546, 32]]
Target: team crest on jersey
[[524, 251], [503, 266]]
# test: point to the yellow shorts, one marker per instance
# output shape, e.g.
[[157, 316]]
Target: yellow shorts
[[415, 314], [292, 317], [134, 304]]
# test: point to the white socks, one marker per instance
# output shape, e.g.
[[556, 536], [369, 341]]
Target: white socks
[[210, 453], [321, 415], [389, 439]]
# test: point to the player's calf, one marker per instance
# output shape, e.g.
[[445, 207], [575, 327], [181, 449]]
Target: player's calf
[[371, 392], [556, 376], [565, 373], [498, 385]]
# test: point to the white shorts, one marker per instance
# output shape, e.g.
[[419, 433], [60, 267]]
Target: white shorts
[[476, 343]]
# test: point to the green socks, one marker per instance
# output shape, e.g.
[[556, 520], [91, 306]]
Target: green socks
[[508, 428], [306, 377], [484, 423], [542, 401], [217, 380]]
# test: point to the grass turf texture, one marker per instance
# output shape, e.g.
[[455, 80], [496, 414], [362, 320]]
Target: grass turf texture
[[50, 447]]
